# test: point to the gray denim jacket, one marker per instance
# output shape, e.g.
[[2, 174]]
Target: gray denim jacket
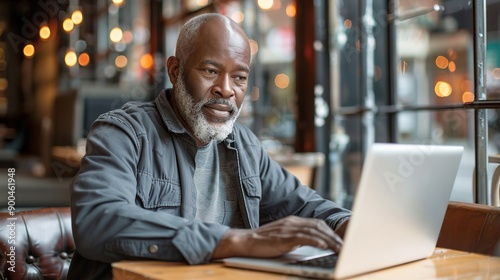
[[134, 196]]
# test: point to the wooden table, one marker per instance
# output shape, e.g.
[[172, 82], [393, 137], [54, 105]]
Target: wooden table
[[443, 264]]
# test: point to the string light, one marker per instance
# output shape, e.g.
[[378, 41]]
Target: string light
[[442, 89], [29, 50], [265, 4], [118, 2], [70, 58], [77, 17], [44, 32], [68, 25], [116, 35]]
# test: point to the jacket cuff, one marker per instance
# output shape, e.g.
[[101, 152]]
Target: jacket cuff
[[197, 241], [337, 219]]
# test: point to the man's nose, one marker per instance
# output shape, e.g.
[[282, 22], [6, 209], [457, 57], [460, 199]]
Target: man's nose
[[223, 87]]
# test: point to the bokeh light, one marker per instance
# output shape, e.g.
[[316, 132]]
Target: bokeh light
[[468, 97], [29, 50], [441, 62], [147, 61], [238, 16], [44, 32], [282, 81], [496, 73], [68, 25], [291, 11], [118, 2], [265, 4], [348, 23], [254, 46], [452, 66], [77, 17], [116, 35], [121, 61], [443, 89], [70, 58], [84, 59]]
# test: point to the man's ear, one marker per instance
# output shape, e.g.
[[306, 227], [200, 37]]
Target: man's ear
[[173, 65]]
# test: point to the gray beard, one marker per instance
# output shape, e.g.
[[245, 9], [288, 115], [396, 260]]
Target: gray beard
[[192, 114]]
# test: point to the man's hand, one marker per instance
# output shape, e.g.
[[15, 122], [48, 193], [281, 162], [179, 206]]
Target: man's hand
[[277, 238]]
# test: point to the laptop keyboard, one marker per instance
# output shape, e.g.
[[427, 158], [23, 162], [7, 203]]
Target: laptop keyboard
[[328, 261]]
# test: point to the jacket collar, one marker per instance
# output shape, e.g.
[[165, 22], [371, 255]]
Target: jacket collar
[[167, 112]]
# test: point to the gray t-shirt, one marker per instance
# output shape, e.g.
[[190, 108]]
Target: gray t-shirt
[[217, 196]]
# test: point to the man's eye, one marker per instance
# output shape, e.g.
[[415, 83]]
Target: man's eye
[[241, 78], [211, 71]]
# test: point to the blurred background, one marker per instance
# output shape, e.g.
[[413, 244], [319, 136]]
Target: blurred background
[[329, 77]]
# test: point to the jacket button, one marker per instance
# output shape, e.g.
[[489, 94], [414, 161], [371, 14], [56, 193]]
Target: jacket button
[[153, 249], [30, 259], [63, 255]]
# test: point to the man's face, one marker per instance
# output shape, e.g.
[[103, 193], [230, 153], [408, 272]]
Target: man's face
[[193, 115], [210, 88]]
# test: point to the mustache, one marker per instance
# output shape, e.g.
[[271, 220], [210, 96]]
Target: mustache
[[221, 101]]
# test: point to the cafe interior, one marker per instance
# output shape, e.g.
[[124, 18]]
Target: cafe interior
[[328, 79]]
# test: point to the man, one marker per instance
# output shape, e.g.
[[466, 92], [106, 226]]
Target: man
[[178, 179]]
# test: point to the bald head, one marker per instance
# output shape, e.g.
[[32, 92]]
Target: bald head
[[204, 28]]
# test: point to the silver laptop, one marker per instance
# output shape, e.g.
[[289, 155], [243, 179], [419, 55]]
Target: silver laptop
[[397, 214]]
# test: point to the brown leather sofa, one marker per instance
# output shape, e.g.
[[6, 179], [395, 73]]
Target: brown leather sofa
[[471, 227], [43, 244]]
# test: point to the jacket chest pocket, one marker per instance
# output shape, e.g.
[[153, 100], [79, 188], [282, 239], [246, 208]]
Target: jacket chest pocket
[[252, 191], [158, 194]]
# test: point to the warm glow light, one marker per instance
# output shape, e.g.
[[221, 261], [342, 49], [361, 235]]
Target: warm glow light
[[83, 59], [116, 35], [282, 81], [44, 32], [202, 2], [442, 89], [496, 73], [254, 46], [147, 61], [70, 58], [238, 16], [452, 66], [348, 23], [265, 4], [441, 62], [291, 11], [128, 36], [468, 97], [118, 2], [4, 84], [121, 61], [68, 25], [29, 50], [77, 17]]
